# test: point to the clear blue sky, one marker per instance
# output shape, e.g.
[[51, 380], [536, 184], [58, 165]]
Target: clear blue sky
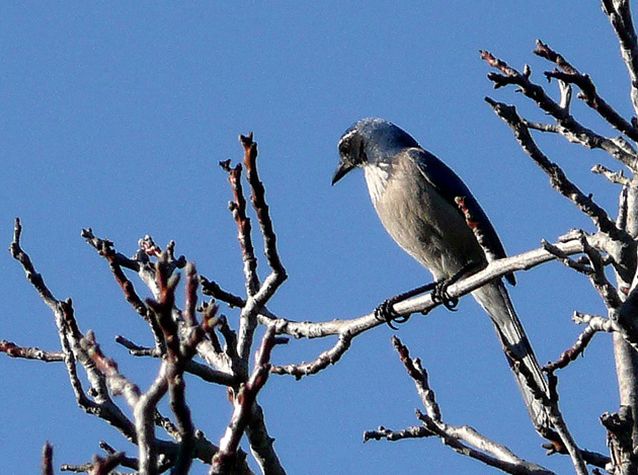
[[114, 116]]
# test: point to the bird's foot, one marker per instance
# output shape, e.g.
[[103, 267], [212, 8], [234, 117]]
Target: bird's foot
[[386, 313], [440, 295]]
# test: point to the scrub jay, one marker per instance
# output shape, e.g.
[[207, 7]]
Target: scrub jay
[[414, 195]]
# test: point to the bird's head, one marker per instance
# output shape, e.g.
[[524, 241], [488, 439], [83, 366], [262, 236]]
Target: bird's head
[[369, 142]]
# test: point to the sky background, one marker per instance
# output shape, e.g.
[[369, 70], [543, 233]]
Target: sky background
[[114, 117]]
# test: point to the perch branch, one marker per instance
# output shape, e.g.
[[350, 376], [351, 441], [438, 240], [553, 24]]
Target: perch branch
[[347, 329]]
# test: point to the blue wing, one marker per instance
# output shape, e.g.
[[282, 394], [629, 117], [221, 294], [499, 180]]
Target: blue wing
[[450, 186]]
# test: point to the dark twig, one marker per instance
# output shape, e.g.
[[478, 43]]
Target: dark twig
[[137, 350], [238, 209], [47, 459], [200, 370], [213, 289]]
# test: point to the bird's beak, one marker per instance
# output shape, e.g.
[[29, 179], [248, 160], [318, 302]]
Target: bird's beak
[[341, 171]]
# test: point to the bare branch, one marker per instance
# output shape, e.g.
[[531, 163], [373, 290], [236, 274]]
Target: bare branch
[[135, 349], [242, 403], [594, 324], [551, 128], [464, 440], [571, 75], [420, 376], [258, 198], [619, 14], [30, 353], [202, 371], [117, 382], [214, 290], [116, 261], [413, 432], [614, 177], [261, 444], [598, 278], [558, 179], [258, 295], [70, 338], [569, 127], [619, 438], [324, 360]]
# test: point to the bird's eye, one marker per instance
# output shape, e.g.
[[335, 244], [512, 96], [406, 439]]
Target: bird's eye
[[344, 148]]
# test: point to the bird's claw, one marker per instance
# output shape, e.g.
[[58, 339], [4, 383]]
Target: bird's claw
[[440, 295], [386, 313]]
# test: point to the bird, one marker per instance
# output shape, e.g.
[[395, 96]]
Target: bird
[[416, 198]]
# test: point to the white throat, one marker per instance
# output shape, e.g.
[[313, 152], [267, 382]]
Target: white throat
[[377, 176]]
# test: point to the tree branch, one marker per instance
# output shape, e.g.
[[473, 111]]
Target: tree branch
[[465, 440], [589, 94], [569, 127]]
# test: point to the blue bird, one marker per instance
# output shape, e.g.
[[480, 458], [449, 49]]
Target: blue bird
[[414, 195]]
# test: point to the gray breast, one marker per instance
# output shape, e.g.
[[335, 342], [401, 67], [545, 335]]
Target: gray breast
[[420, 220]]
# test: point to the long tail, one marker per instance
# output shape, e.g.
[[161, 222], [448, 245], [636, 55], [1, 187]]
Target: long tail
[[496, 302]]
